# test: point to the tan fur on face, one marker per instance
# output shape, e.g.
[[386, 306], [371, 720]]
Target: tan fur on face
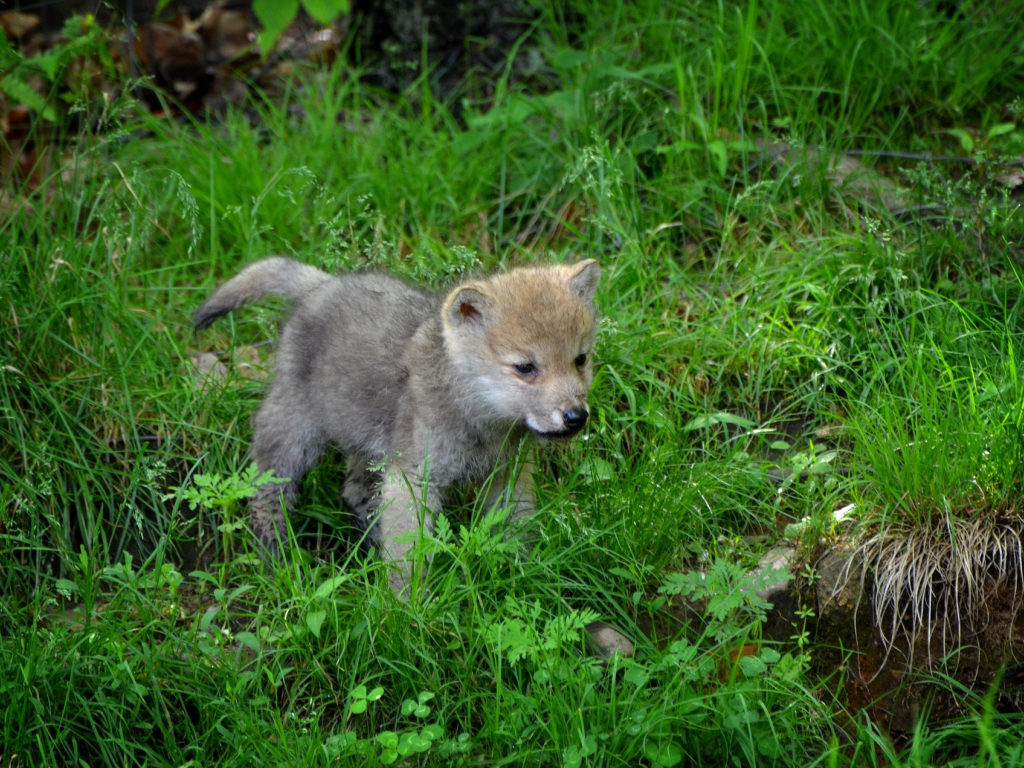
[[543, 316]]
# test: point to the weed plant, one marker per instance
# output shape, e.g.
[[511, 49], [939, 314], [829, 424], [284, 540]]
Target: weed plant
[[756, 319]]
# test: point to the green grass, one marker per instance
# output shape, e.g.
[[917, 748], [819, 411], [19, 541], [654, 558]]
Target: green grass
[[753, 319]]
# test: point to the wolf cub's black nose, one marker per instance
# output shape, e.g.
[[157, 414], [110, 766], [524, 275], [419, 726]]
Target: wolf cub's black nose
[[575, 418]]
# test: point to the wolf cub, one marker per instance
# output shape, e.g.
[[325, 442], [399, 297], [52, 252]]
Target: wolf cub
[[442, 386]]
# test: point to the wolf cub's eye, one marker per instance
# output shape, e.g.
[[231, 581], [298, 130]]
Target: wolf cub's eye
[[581, 360], [525, 369]]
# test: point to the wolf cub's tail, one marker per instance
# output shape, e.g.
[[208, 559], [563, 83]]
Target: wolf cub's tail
[[277, 276]]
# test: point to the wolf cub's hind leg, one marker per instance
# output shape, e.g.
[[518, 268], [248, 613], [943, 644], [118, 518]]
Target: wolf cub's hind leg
[[361, 494], [286, 442]]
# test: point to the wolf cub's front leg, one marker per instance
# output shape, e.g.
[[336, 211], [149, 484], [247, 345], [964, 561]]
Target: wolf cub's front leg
[[523, 499], [405, 506]]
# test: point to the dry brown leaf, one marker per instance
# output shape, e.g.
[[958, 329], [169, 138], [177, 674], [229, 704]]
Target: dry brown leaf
[[249, 363], [17, 24], [227, 35], [12, 204], [828, 431], [169, 51]]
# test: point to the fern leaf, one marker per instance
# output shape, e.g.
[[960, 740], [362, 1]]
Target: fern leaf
[[23, 93]]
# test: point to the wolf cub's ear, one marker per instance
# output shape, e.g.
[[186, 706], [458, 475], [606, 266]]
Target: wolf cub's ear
[[466, 305], [583, 278]]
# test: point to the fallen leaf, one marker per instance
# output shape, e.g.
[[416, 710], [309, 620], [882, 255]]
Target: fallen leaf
[[17, 24], [226, 35], [12, 204], [249, 363], [175, 58]]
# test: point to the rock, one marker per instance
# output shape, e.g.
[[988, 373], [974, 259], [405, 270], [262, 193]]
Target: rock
[[840, 584], [606, 641], [208, 368], [775, 572], [776, 559]]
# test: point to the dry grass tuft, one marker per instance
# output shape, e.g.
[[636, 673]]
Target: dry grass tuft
[[938, 579]]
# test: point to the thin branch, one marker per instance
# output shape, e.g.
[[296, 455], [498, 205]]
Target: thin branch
[[928, 156]]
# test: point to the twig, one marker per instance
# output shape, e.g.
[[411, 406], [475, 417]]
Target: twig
[[934, 211], [129, 23], [927, 156], [41, 4], [781, 149]]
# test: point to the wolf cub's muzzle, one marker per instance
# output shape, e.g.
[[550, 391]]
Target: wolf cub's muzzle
[[574, 419]]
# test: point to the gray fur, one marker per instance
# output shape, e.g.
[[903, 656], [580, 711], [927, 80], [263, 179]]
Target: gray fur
[[277, 276], [425, 382]]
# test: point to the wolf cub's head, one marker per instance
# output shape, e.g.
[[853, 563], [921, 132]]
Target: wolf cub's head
[[524, 340]]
